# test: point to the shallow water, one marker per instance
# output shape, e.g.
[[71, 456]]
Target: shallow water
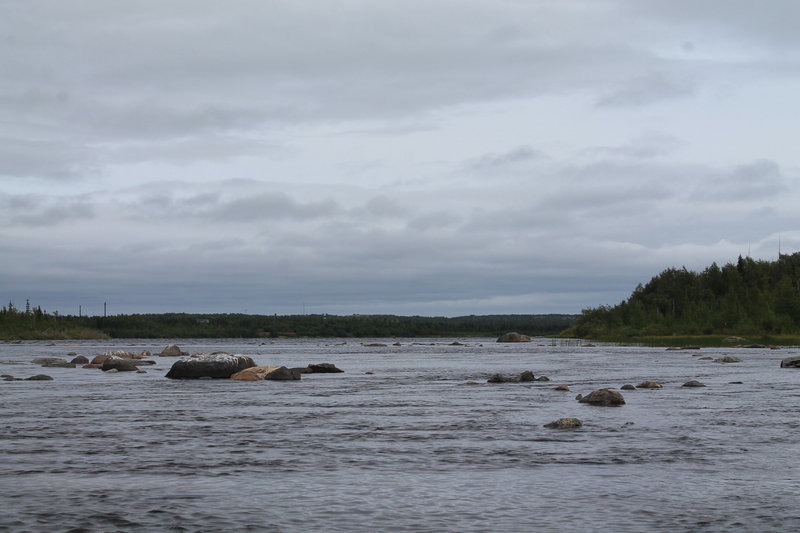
[[410, 447]]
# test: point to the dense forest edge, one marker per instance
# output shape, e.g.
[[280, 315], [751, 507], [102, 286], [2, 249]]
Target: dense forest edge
[[750, 301], [33, 323]]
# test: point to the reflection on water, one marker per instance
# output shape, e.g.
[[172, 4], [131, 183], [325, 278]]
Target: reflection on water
[[408, 446]]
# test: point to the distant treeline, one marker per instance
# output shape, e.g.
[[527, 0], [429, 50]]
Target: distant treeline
[[749, 297], [35, 324]]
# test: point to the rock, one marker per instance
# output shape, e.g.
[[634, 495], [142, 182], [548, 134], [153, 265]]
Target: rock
[[564, 423], [323, 368], [471, 383], [219, 366], [396, 344], [791, 362], [171, 351], [728, 359], [693, 383], [527, 376], [561, 387], [603, 398], [120, 364], [628, 386], [759, 346], [649, 385], [456, 343], [128, 355], [374, 345], [80, 360], [9, 377], [542, 378], [272, 372], [706, 358], [514, 337], [498, 378], [53, 362], [99, 359], [90, 365], [39, 377]]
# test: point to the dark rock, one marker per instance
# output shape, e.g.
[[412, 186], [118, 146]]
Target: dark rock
[[628, 386], [90, 365], [603, 398], [727, 359], [374, 345], [120, 364], [527, 376], [456, 343], [9, 377], [791, 362], [514, 337], [754, 346], [499, 378], [323, 368], [542, 378], [80, 360], [565, 423], [561, 388], [649, 385], [39, 377], [53, 362], [99, 359], [693, 383], [220, 366], [302, 370]]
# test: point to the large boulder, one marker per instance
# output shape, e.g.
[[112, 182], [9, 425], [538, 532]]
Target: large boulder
[[80, 360], [272, 372], [791, 362], [603, 398], [172, 351], [514, 337], [215, 366]]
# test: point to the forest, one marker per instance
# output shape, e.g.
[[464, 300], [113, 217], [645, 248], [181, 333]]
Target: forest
[[33, 323], [746, 298]]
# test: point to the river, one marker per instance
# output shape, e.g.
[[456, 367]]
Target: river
[[400, 441]]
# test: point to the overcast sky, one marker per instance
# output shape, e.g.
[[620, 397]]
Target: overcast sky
[[432, 157]]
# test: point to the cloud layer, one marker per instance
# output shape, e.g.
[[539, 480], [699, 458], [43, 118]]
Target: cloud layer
[[358, 157]]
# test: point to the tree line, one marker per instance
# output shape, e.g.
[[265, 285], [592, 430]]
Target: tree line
[[36, 324], [748, 297]]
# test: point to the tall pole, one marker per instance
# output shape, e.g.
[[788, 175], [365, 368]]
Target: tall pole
[[104, 309]]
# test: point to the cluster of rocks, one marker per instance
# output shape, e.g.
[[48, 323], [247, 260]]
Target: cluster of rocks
[[222, 365], [37, 377]]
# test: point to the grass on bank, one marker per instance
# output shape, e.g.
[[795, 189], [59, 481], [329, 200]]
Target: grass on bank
[[706, 341]]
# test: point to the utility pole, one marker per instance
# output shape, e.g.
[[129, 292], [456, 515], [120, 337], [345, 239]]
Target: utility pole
[[104, 309]]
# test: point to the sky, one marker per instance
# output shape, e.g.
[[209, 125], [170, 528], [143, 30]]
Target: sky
[[423, 157]]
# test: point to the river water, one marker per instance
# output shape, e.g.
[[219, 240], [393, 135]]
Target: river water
[[401, 442]]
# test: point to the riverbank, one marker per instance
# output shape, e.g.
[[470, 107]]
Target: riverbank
[[706, 341]]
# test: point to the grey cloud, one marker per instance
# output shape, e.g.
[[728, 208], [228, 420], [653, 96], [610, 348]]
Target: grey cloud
[[646, 89], [42, 211], [750, 182], [515, 156]]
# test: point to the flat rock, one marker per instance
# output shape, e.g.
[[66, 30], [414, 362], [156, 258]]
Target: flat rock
[[173, 350], [39, 377], [211, 366], [120, 364], [53, 362]]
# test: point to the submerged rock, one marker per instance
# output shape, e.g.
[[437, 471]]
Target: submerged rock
[[728, 359], [80, 360], [212, 366], [514, 337], [628, 386], [565, 423], [39, 377], [693, 383], [561, 388], [649, 385], [603, 398], [525, 376], [791, 362], [53, 362]]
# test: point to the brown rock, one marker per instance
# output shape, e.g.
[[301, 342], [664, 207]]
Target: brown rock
[[649, 385], [628, 386], [693, 383], [564, 423], [171, 351], [603, 398], [514, 337], [561, 387], [258, 373]]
